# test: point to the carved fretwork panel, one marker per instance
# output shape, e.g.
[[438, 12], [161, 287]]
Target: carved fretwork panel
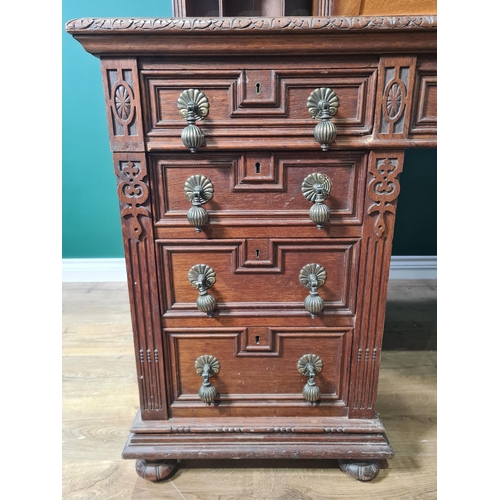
[[137, 227], [394, 96], [382, 190], [133, 194], [121, 92]]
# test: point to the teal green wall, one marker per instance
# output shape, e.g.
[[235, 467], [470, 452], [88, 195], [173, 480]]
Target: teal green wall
[[91, 221]]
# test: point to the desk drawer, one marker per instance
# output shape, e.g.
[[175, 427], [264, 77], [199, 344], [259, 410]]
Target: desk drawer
[[261, 104], [268, 285], [251, 382], [260, 188]]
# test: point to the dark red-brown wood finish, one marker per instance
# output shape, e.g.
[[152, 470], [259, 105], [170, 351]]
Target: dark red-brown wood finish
[[257, 75]]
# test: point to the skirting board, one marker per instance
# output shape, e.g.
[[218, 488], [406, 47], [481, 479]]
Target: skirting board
[[92, 270]]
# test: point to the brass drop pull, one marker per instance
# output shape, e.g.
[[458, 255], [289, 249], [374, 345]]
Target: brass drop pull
[[310, 365], [322, 105], [316, 188], [207, 366], [313, 276], [202, 277], [198, 190], [193, 105]]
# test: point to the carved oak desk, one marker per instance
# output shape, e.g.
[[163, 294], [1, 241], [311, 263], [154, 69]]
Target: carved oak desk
[[257, 162]]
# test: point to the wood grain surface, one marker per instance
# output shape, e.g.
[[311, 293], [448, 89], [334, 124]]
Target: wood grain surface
[[101, 400]]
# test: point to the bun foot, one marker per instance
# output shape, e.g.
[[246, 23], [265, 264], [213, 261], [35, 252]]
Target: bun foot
[[155, 470], [362, 470]]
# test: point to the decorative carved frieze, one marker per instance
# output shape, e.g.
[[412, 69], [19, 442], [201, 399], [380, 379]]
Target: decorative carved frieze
[[255, 23]]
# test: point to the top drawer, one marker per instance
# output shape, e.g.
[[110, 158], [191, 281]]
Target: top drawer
[[256, 104]]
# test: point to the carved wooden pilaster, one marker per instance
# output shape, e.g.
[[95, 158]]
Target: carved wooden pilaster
[[137, 227], [382, 189], [394, 96], [123, 109]]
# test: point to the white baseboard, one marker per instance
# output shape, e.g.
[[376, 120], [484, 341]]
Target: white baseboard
[[413, 267], [92, 270]]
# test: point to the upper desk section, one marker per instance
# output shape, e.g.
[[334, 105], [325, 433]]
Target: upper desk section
[[258, 74]]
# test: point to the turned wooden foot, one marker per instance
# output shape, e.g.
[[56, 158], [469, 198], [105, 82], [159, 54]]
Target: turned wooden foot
[[362, 470], [155, 470]]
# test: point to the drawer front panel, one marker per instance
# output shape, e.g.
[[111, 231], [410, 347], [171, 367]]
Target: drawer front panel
[[257, 101], [260, 382], [253, 188], [246, 284]]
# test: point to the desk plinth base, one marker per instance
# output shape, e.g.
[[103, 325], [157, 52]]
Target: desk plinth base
[[358, 444]]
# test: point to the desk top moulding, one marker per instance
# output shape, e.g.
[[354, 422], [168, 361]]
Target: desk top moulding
[[218, 159]]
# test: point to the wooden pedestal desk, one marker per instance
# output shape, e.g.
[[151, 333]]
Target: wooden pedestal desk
[[257, 163]]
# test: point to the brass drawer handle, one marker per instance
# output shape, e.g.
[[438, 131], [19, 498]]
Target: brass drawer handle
[[193, 105], [207, 366], [198, 190], [316, 188], [313, 276], [310, 365], [322, 105], [202, 277]]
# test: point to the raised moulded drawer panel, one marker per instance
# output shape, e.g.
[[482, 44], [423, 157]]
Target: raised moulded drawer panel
[[259, 104], [254, 188], [268, 285], [258, 382]]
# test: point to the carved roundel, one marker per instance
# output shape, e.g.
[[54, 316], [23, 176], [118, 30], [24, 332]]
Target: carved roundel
[[322, 97], [199, 186], [312, 269], [207, 272], [394, 100], [312, 181], [195, 99], [122, 102]]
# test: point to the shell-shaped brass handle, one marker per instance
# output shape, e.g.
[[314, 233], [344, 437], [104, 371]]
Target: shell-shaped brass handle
[[313, 276], [310, 365], [198, 190], [207, 366], [202, 277], [322, 105], [193, 105], [316, 188]]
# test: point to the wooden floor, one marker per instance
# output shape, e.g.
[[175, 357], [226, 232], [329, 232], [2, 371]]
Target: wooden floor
[[100, 401]]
